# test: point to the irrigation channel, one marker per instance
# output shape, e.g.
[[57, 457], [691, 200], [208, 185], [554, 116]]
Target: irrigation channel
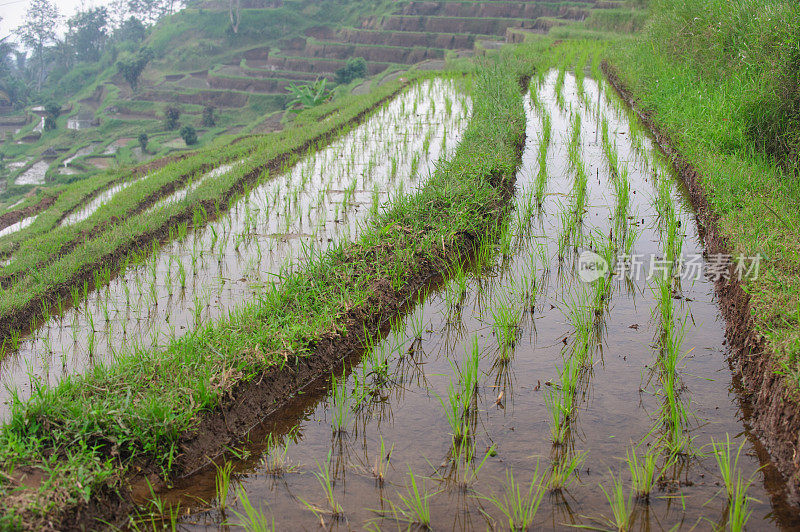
[[519, 370], [201, 275]]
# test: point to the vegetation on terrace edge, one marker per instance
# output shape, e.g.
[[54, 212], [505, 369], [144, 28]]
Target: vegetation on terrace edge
[[135, 409], [722, 79]]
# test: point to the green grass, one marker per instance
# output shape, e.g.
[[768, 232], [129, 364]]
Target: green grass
[[722, 96]]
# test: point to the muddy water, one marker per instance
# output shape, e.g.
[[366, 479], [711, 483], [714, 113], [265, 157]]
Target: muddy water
[[33, 175], [618, 404], [323, 198], [22, 224]]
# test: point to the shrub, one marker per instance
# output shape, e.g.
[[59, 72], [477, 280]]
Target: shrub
[[143, 142], [208, 116], [355, 68], [189, 135], [171, 116]]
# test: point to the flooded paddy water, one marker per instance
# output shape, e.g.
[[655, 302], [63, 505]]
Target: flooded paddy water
[[528, 365], [203, 274]]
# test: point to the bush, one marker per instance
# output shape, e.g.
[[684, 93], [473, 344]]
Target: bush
[[189, 135], [355, 68], [208, 116], [143, 142], [171, 116]]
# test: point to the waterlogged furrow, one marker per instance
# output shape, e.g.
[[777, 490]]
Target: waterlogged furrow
[[528, 381], [200, 276], [101, 199], [22, 224]]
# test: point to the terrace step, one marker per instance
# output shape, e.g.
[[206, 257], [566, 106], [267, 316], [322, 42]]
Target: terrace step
[[449, 41], [385, 54], [518, 10]]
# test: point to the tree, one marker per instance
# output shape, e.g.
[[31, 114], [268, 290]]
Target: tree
[[171, 116], [143, 141], [131, 29], [39, 30], [208, 116], [355, 68], [234, 15], [52, 111], [88, 32], [131, 66], [189, 135]]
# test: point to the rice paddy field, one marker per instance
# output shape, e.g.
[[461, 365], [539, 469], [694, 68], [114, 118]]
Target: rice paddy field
[[516, 394], [484, 305]]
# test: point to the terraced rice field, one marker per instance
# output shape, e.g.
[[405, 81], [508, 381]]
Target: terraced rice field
[[202, 275], [530, 388]]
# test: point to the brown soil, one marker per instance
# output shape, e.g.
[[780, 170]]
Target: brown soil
[[215, 98], [267, 85], [384, 54], [520, 10], [12, 217], [484, 26], [408, 39], [311, 64], [774, 413]]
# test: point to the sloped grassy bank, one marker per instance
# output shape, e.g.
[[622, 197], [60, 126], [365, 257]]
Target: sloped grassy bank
[[712, 81], [161, 413]]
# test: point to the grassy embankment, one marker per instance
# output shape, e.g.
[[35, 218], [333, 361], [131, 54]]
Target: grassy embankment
[[721, 79], [85, 432]]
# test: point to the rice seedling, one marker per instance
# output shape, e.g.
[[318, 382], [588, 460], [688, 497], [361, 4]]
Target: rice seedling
[[252, 520], [327, 482], [506, 315], [727, 462], [517, 504], [643, 470], [381, 466], [739, 510], [563, 471], [341, 411], [275, 461], [621, 505], [222, 482], [416, 507]]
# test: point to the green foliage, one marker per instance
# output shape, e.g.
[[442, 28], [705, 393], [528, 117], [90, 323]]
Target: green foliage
[[131, 66], [753, 42], [208, 116], [172, 115], [189, 135], [355, 68], [143, 141], [308, 95]]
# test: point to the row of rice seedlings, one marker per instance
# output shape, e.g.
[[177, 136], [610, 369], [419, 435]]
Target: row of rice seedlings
[[460, 406], [562, 396], [540, 184], [559, 87]]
